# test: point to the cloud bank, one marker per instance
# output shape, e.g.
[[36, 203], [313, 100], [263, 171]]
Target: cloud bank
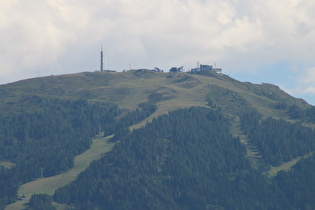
[[265, 39]]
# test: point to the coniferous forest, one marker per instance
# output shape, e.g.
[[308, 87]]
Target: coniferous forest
[[184, 160], [47, 137]]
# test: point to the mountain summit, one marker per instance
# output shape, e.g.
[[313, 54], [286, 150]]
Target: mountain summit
[[179, 141]]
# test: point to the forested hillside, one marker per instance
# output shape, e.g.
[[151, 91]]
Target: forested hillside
[[279, 141], [46, 138], [184, 160], [177, 141]]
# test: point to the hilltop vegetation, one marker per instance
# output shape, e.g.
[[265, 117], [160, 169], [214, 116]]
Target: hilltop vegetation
[[179, 152], [129, 89]]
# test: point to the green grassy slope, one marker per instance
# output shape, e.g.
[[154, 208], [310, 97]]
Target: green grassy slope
[[128, 89], [48, 185]]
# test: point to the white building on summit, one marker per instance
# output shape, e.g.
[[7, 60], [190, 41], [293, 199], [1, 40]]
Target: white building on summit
[[202, 68]]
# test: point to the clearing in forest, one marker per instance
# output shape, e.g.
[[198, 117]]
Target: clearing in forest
[[99, 146]]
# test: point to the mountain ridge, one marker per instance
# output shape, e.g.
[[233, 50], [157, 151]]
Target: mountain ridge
[[128, 89], [139, 98]]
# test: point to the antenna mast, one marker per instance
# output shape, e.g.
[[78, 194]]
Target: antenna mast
[[102, 62]]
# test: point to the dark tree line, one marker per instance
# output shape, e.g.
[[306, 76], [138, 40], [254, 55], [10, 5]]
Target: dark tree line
[[278, 140], [184, 160], [122, 123], [48, 135], [298, 183], [303, 114], [40, 202], [189, 160]]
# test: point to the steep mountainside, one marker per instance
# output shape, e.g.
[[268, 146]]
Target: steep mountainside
[[183, 141]]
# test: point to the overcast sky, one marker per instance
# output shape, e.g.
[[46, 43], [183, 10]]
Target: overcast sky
[[257, 41]]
